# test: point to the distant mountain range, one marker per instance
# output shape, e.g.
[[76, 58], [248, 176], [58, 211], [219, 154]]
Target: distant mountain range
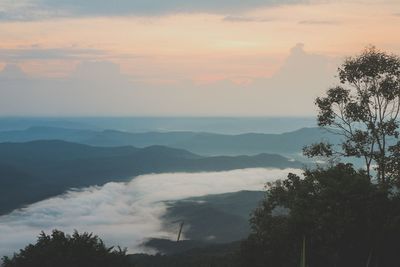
[[222, 125], [36, 170], [200, 143]]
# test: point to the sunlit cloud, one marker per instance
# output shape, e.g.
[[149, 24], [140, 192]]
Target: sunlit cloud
[[318, 22], [224, 61], [245, 19], [103, 88], [38, 53]]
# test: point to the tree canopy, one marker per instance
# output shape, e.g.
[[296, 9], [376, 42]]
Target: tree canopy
[[345, 219], [364, 110], [339, 216], [61, 250]]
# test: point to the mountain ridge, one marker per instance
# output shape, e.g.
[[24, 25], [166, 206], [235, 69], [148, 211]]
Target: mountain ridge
[[202, 143], [36, 170]]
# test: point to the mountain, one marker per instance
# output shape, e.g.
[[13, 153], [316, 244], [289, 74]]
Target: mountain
[[223, 125], [36, 170], [200, 143], [217, 218], [224, 217]]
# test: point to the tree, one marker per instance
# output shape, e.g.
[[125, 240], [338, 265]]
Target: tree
[[78, 250], [364, 110], [345, 219]]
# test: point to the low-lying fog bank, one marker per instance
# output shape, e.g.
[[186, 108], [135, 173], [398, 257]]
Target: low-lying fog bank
[[124, 214]]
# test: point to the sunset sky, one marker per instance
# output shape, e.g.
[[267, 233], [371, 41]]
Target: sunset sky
[[181, 57]]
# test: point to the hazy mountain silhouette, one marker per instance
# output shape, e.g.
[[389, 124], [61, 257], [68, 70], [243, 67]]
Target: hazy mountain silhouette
[[201, 143], [36, 170]]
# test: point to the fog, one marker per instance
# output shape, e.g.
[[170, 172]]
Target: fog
[[124, 214]]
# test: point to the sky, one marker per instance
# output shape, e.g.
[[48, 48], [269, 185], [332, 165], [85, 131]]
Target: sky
[[181, 57]]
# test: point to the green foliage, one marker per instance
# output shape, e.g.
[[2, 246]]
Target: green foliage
[[364, 111], [344, 217], [61, 250]]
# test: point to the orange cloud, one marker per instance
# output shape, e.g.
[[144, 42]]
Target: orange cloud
[[183, 46]]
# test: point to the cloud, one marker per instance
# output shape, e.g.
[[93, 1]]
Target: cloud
[[318, 22], [95, 87], [97, 70], [303, 77], [43, 9], [37, 53], [13, 72], [124, 213], [290, 91], [98, 88], [245, 19], [25, 10]]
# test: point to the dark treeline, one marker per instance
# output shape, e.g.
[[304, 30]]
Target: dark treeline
[[339, 216], [345, 219], [61, 250]]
